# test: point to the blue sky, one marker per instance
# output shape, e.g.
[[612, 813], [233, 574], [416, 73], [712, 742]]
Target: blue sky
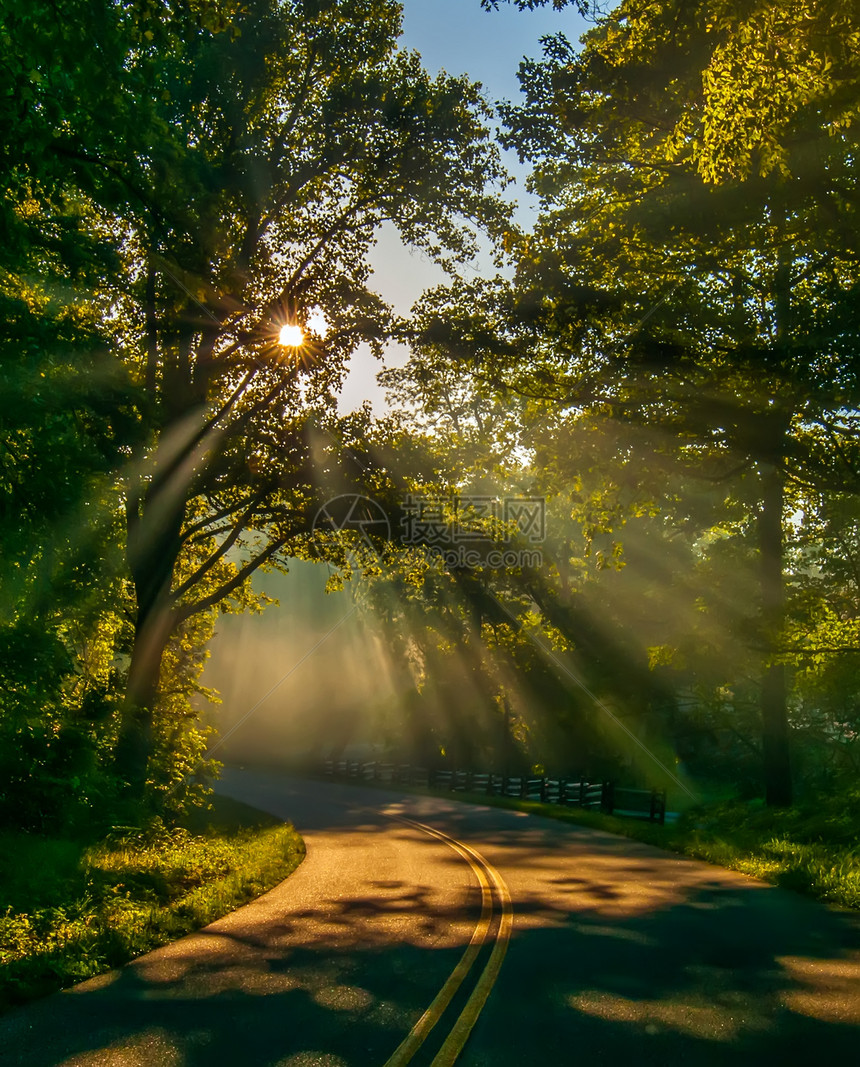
[[459, 37]]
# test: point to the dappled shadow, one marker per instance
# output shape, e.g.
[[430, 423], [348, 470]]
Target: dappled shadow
[[619, 953], [257, 997]]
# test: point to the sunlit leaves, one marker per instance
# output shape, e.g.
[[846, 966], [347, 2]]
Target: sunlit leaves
[[213, 170]]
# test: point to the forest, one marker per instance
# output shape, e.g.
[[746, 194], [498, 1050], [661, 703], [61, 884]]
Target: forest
[[645, 424]]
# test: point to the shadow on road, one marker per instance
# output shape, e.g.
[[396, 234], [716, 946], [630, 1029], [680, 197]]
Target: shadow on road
[[620, 953]]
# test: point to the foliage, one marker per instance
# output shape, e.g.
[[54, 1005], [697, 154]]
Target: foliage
[[67, 418], [672, 370], [215, 171], [73, 910], [664, 329]]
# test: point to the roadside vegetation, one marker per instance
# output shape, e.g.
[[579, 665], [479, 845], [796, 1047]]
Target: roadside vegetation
[[70, 909]]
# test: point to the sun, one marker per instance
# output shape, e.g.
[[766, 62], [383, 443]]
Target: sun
[[291, 336]]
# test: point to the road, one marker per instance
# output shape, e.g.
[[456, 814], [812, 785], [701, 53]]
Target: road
[[570, 946]]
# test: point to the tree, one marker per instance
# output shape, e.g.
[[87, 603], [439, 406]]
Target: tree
[[238, 159], [727, 308], [68, 417], [698, 311]]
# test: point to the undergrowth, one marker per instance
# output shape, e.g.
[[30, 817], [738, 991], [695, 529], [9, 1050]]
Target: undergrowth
[[71, 910]]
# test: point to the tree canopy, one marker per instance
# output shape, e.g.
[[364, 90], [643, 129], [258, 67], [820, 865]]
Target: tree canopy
[[686, 308], [219, 173], [669, 367]]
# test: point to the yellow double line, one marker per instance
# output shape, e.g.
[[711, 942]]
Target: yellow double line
[[489, 880]]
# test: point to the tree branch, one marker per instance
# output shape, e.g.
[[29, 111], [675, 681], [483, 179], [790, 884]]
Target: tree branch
[[186, 612]]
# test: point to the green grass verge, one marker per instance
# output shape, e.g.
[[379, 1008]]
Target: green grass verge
[[70, 910]]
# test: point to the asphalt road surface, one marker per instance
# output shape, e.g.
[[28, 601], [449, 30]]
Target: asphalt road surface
[[419, 930]]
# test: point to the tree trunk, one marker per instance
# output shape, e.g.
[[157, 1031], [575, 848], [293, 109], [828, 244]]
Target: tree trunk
[[135, 742], [154, 518], [774, 702], [774, 690]]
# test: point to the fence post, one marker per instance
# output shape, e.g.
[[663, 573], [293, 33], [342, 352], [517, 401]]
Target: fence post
[[608, 798], [658, 807]]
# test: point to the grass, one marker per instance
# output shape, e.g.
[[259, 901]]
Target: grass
[[70, 910]]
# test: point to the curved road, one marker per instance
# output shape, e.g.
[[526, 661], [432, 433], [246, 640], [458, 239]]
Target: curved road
[[390, 945]]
